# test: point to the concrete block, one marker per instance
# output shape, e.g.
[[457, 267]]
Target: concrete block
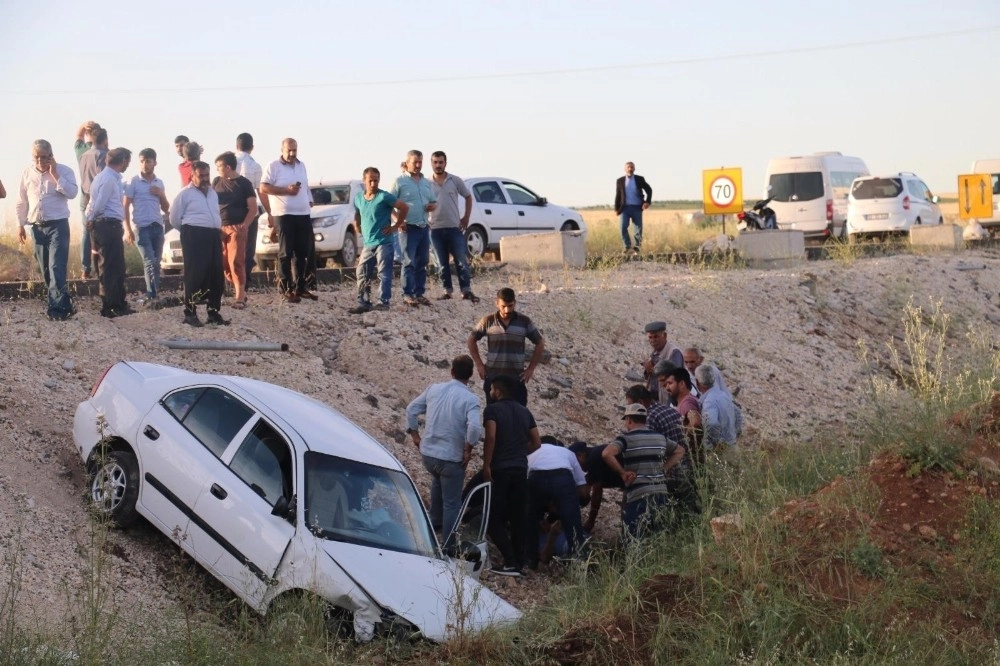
[[545, 250], [943, 236], [775, 248]]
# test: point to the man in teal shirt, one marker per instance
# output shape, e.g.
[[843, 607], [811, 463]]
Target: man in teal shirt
[[373, 210], [416, 191]]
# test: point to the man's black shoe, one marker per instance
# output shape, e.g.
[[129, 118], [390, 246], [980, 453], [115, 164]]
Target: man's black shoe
[[192, 320], [215, 318], [360, 308]]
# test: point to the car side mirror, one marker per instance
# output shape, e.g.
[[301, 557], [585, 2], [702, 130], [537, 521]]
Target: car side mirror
[[284, 508], [542, 201], [934, 198]]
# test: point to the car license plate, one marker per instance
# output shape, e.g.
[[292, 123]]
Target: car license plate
[[877, 216]]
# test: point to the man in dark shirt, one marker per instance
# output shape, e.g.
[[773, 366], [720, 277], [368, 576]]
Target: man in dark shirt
[[599, 476], [238, 210], [511, 434]]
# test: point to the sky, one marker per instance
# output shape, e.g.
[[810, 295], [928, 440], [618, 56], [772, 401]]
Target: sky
[[555, 94]]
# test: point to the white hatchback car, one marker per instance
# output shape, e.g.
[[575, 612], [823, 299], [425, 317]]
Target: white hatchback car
[[888, 204], [503, 207], [276, 493]]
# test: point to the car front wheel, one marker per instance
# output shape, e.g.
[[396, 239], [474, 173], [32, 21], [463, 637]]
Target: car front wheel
[[349, 253], [475, 238], [568, 226], [114, 487]]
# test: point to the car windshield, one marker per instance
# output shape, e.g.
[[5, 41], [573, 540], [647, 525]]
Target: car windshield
[[806, 186], [877, 188], [333, 194], [363, 504]]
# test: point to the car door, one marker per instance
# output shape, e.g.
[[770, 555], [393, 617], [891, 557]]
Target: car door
[[241, 540], [467, 541], [180, 441], [494, 212], [918, 204], [933, 209], [531, 214]]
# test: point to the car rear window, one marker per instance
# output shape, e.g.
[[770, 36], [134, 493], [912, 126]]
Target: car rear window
[[877, 188], [806, 186]]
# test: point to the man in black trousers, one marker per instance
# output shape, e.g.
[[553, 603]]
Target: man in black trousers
[[195, 212], [632, 196]]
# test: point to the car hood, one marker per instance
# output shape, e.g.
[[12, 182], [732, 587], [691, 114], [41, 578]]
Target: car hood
[[436, 597]]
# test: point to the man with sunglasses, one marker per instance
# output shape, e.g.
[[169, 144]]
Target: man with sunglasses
[[43, 204]]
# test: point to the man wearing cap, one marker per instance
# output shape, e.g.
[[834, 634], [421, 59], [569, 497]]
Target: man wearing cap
[[647, 458], [656, 334]]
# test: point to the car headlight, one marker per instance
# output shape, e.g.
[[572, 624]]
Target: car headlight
[[323, 222]]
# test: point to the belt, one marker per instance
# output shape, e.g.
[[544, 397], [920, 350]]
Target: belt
[[107, 219], [549, 472], [45, 223]]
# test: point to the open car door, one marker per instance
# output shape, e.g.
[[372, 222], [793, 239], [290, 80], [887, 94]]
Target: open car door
[[467, 541]]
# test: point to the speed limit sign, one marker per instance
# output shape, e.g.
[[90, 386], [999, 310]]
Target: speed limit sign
[[722, 191]]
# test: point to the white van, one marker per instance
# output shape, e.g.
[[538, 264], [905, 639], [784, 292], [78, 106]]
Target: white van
[[991, 167], [809, 192]]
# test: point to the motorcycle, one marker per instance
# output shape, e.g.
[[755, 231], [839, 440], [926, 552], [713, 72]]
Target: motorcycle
[[758, 218]]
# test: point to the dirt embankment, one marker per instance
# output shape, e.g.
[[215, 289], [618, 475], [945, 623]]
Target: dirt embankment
[[787, 340]]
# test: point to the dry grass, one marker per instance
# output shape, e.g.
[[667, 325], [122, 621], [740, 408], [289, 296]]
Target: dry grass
[[664, 230]]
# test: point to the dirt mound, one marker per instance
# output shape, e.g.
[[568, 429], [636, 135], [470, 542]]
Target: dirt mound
[[14, 265]]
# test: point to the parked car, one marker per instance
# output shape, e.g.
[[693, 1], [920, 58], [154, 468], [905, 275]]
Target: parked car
[[809, 192], [992, 167], [890, 204], [276, 493], [333, 226], [333, 229], [503, 207]]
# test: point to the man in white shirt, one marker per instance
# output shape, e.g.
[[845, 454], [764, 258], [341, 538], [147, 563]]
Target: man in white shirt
[[195, 211], [104, 217], [43, 204], [248, 167], [287, 204], [556, 480]]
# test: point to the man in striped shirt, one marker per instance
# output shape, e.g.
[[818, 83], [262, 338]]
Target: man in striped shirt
[[647, 458], [505, 331]]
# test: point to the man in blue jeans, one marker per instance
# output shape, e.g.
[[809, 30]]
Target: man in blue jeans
[[632, 196], [373, 210], [415, 191], [448, 227], [145, 198], [43, 204], [452, 427]]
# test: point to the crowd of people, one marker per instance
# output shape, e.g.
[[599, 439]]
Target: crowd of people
[[219, 219], [683, 417]]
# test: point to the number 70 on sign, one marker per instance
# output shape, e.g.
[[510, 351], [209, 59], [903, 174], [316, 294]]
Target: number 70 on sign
[[722, 191]]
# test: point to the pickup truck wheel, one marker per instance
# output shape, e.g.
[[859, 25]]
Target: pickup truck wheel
[[477, 241], [569, 226], [114, 487], [348, 254]]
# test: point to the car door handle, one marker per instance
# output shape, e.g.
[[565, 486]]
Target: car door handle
[[521, 213], [150, 431], [219, 491], [488, 211]]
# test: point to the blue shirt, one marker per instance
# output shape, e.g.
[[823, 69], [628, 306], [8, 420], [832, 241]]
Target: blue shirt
[[416, 194], [145, 204], [106, 194], [632, 197], [721, 419], [453, 420], [376, 215]]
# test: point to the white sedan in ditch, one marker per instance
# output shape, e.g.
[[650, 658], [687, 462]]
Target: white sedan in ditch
[[276, 493]]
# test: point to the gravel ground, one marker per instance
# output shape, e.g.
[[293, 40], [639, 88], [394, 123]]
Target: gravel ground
[[787, 340]]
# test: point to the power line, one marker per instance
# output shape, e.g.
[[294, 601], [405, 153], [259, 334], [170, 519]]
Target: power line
[[522, 74]]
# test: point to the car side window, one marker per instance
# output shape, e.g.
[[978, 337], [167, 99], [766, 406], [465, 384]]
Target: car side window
[[488, 192], [264, 462], [212, 415], [913, 187], [927, 191], [520, 195]]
